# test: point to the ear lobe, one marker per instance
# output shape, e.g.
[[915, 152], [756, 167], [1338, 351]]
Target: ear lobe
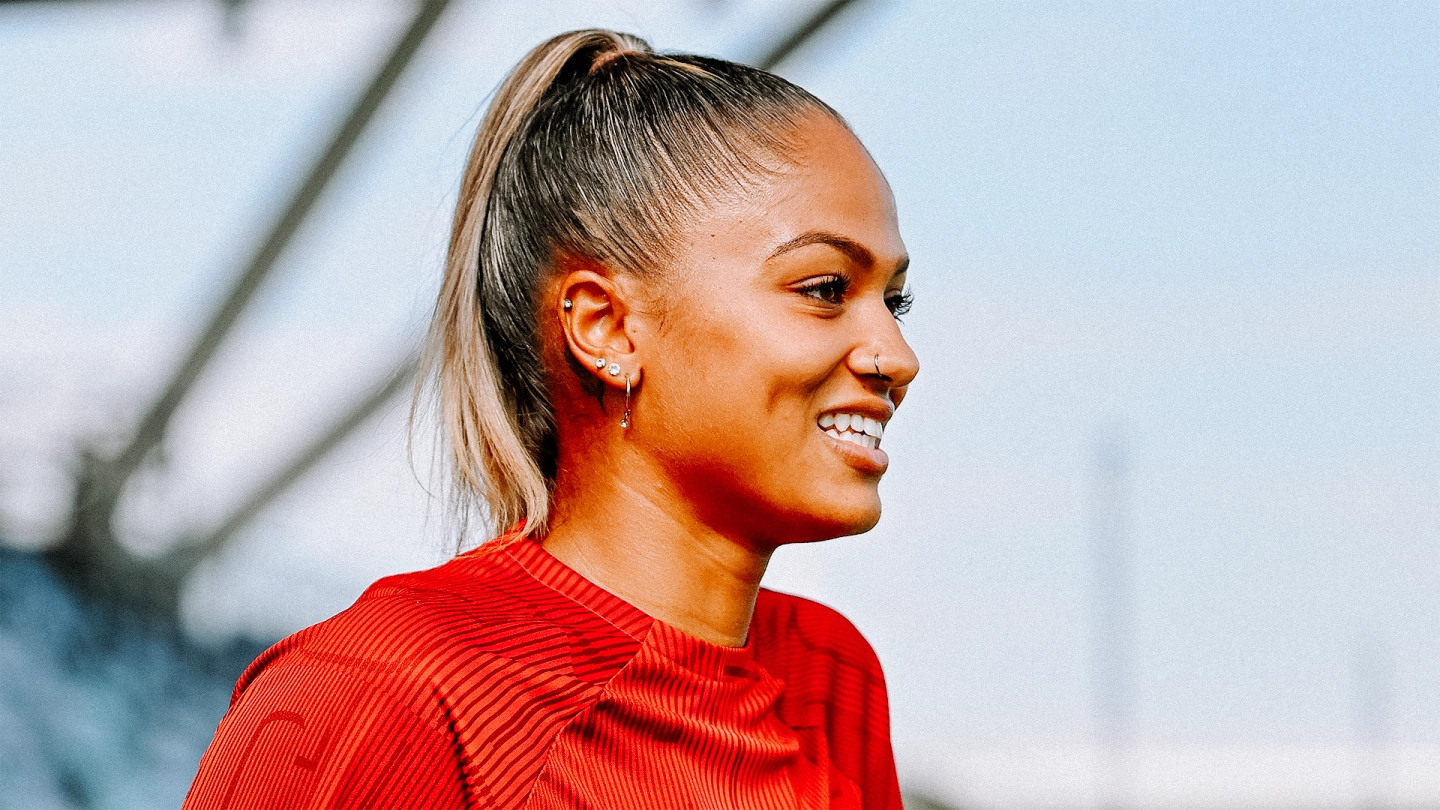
[[594, 326]]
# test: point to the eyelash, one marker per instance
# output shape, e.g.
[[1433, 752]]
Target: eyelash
[[900, 304], [831, 289]]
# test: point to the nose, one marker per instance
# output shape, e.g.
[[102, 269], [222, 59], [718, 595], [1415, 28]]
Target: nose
[[886, 356]]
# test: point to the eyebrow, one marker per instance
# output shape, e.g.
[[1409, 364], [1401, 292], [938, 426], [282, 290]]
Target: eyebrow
[[853, 250]]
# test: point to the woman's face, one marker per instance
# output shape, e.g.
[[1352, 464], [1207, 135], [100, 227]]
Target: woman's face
[[772, 356]]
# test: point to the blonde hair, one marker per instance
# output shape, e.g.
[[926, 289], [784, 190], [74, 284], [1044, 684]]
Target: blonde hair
[[594, 148]]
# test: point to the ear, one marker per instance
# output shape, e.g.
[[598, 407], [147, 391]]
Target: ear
[[594, 325]]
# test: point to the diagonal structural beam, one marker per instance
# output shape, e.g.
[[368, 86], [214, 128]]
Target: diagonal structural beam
[[803, 33], [88, 554], [186, 557], [152, 427]]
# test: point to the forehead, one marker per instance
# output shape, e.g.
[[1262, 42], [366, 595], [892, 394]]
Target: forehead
[[831, 185]]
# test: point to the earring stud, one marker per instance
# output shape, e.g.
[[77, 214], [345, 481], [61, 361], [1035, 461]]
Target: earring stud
[[568, 304], [599, 362], [613, 370]]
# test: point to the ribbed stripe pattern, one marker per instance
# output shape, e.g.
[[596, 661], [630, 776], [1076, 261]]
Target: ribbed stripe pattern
[[504, 679]]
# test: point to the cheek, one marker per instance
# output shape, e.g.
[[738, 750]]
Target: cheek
[[733, 409], [735, 403]]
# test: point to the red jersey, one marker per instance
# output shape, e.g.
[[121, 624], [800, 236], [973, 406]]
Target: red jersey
[[504, 679]]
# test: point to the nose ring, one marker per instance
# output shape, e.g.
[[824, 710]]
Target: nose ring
[[878, 373]]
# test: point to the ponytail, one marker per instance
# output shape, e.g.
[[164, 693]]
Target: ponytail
[[593, 147]]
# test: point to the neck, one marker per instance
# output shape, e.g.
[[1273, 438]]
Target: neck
[[642, 543]]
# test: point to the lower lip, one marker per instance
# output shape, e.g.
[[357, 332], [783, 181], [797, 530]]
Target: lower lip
[[867, 460]]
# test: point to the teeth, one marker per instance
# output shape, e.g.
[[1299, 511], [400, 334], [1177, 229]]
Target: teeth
[[855, 428]]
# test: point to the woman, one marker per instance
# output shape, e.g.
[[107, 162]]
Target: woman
[[665, 345]]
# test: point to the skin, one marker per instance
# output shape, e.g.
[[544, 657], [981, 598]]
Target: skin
[[733, 356]]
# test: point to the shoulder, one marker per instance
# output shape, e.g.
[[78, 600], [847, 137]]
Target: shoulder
[[400, 617], [803, 625], [833, 682], [827, 665], [432, 625], [457, 645], [471, 667]]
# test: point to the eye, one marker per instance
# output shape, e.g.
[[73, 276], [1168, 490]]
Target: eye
[[899, 302], [829, 289]]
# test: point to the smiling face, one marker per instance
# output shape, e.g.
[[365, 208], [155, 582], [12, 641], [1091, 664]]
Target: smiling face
[[771, 353]]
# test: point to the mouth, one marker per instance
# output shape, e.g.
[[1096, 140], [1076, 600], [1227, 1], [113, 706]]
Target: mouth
[[854, 428]]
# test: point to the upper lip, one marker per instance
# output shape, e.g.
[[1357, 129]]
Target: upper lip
[[879, 411]]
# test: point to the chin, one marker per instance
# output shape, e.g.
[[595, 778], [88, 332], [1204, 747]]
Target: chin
[[862, 524], [827, 521]]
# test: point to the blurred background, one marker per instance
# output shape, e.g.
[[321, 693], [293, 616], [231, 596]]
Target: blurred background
[[1162, 528]]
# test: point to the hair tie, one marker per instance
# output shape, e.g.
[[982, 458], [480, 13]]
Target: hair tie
[[609, 56]]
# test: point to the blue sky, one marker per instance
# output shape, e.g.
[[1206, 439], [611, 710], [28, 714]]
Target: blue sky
[[1214, 228]]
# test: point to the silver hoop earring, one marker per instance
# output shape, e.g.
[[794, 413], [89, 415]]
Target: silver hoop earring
[[625, 420], [877, 366]]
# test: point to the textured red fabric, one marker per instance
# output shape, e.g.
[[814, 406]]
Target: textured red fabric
[[504, 679]]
